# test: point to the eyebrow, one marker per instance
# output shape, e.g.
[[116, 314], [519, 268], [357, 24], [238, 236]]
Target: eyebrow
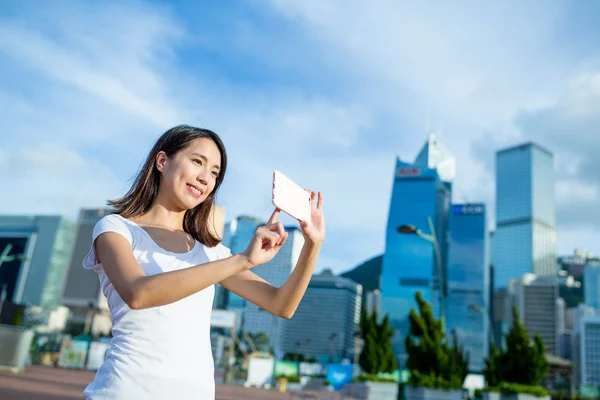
[[205, 159]]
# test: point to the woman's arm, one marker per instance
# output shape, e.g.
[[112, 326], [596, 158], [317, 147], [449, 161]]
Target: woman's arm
[[284, 301], [141, 291]]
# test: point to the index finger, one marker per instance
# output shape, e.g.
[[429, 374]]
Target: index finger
[[274, 216]]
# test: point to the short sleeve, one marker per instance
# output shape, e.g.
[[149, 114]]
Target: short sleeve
[[109, 223], [223, 252]]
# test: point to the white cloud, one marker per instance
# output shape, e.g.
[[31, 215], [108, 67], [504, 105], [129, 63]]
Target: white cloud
[[569, 193], [102, 81], [49, 179]]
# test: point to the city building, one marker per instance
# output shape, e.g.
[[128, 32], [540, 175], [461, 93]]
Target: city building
[[420, 201], [579, 313], [373, 302], [237, 235], [34, 256], [525, 235], [82, 293], [590, 351], [536, 301], [276, 272], [574, 264], [468, 281], [326, 321], [591, 288]]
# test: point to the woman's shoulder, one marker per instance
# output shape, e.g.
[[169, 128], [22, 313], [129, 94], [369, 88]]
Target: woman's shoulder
[[115, 223], [217, 252]]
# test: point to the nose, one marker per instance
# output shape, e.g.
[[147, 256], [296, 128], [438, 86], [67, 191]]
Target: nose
[[203, 177]]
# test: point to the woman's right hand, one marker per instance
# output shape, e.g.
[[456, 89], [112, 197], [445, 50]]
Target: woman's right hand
[[266, 242]]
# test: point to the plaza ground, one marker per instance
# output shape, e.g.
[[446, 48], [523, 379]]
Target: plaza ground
[[47, 383]]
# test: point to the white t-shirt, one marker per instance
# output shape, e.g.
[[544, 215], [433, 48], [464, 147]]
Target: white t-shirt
[[160, 352]]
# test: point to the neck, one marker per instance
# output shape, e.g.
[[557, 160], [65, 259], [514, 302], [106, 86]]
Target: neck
[[164, 217]]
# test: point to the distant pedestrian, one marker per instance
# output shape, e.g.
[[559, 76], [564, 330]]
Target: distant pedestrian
[[158, 260]]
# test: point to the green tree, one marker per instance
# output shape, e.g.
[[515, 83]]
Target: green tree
[[493, 367], [523, 361], [459, 359], [261, 341], [431, 360], [377, 354]]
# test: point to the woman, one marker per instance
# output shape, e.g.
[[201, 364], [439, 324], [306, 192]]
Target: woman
[[158, 261]]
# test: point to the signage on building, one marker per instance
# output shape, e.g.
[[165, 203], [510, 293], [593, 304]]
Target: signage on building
[[408, 171], [468, 209]]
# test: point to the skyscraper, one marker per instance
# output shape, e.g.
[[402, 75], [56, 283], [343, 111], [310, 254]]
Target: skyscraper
[[468, 281], [536, 301], [590, 351], [276, 272], [591, 289], [525, 236], [326, 320], [237, 235], [419, 198]]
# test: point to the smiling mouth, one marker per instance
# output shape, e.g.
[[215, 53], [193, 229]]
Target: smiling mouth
[[195, 191]]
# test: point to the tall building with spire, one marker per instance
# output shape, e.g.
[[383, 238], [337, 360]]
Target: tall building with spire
[[421, 196]]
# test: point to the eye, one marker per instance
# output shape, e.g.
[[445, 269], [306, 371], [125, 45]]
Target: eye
[[215, 174], [197, 161]]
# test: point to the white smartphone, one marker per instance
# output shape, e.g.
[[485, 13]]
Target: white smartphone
[[290, 198]]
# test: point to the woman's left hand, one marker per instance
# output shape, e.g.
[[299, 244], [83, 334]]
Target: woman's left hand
[[314, 230]]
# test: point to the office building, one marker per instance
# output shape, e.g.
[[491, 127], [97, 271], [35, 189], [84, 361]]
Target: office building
[[34, 255], [82, 293], [525, 236], [237, 235], [326, 320], [579, 314], [469, 281], [276, 272], [574, 264], [421, 198], [373, 302], [591, 288], [590, 351], [536, 300]]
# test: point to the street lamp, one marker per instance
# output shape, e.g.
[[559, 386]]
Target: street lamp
[[431, 238]]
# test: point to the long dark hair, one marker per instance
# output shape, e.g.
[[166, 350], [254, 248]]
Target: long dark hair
[[141, 195]]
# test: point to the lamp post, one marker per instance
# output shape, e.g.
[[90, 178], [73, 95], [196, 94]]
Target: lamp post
[[431, 238]]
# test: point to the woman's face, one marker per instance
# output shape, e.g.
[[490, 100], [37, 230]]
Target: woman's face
[[190, 176]]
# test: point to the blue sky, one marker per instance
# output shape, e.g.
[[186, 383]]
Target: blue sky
[[327, 92]]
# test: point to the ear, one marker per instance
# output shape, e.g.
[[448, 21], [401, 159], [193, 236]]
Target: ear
[[161, 161]]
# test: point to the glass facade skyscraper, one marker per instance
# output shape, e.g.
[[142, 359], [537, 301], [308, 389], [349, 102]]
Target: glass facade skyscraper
[[409, 263], [468, 281], [525, 237], [238, 236], [591, 289]]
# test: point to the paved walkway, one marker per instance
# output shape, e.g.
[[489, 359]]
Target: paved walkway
[[47, 383]]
